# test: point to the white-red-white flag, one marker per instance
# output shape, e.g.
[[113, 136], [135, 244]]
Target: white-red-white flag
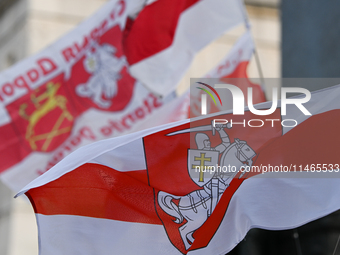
[[164, 38], [76, 91], [231, 69], [155, 191]]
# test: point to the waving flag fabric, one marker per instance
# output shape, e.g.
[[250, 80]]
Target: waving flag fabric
[[76, 91], [233, 65], [151, 193], [169, 34]]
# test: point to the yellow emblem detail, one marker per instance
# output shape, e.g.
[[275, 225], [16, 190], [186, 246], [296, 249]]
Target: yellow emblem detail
[[202, 161], [45, 103]]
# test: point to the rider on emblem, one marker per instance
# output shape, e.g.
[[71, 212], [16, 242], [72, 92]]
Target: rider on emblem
[[216, 186], [199, 204], [105, 69]]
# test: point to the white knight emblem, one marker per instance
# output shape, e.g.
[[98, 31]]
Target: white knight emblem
[[105, 68], [214, 179]]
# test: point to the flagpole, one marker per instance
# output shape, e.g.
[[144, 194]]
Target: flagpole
[[256, 55], [297, 242], [336, 245]]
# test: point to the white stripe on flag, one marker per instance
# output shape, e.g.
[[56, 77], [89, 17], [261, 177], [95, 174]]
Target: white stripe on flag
[[241, 51], [293, 201], [321, 101], [92, 151], [108, 236], [120, 158], [197, 27]]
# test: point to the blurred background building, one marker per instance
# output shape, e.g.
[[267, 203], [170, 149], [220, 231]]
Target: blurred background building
[[27, 26], [13, 27]]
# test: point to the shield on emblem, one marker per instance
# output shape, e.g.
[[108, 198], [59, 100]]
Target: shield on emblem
[[202, 165]]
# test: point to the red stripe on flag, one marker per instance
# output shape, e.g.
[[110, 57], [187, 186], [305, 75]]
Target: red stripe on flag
[[240, 76], [154, 29], [98, 191], [314, 141], [12, 149]]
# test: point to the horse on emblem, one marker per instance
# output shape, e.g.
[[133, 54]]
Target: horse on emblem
[[105, 69], [196, 207]]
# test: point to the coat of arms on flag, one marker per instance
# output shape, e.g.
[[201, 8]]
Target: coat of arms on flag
[[47, 118], [105, 68], [74, 92], [212, 169], [45, 103], [188, 190], [100, 78]]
